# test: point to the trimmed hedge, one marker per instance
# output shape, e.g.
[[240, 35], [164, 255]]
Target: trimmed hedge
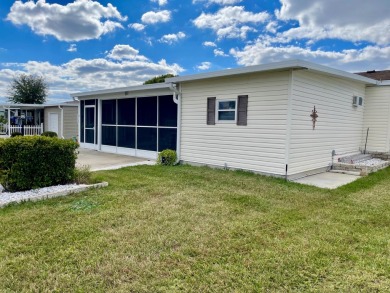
[[30, 162], [49, 134], [16, 133]]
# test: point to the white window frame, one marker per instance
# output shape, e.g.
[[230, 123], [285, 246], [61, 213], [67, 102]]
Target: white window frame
[[217, 110]]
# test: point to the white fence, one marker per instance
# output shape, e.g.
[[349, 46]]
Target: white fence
[[25, 130]]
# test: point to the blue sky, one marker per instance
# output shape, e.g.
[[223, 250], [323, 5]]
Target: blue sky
[[87, 45]]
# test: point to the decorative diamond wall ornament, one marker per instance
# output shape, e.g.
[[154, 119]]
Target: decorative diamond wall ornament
[[314, 117]]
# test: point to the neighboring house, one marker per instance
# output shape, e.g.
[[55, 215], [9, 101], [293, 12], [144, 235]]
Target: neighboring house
[[62, 119], [33, 119], [286, 119]]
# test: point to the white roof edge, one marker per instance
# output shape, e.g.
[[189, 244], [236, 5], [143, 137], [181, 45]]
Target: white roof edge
[[122, 89], [62, 105], [40, 106], [384, 82], [289, 64], [3, 105]]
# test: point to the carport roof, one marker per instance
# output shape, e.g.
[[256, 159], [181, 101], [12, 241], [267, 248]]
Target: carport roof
[[136, 88]]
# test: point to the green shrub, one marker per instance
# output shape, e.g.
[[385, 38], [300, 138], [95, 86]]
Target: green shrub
[[28, 162], [167, 157], [49, 134], [16, 133], [82, 175]]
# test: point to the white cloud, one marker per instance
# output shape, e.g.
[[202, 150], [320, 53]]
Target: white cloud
[[137, 26], [118, 69], [204, 66], [152, 17], [272, 27], [72, 48], [351, 60], [172, 38], [160, 2], [80, 20], [209, 44], [219, 52], [231, 21], [125, 52], [347, 20], [219, 2]]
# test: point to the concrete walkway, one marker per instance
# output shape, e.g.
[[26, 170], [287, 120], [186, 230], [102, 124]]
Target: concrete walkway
[[328, 180], [105, 161]]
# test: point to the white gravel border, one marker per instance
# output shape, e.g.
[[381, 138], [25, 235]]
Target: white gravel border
[[7, 198], [371, 162]]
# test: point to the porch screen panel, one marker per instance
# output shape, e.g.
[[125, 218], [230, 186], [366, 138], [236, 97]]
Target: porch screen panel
[[147, 111], [109, 112], [167, 138], [109, 135], [90, 123], [126, 137], [126, 112], [167, 111], [89, 136], [82, 121], [147, 138], [89, 117]]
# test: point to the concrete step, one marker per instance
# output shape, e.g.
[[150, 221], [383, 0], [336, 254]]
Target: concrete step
[[355, 158], [355, 173]]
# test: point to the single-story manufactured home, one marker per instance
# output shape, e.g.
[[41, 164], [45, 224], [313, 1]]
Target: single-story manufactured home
[[287, 119], [33, 119]]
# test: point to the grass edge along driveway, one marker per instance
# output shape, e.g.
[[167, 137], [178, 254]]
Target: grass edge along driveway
[[171, 229]]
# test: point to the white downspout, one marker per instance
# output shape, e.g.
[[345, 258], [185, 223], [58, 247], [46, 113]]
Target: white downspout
[[62, 121], [177, 100], [9, 122]]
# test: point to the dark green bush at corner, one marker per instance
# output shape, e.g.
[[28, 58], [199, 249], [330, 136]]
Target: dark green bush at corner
[[13, 134], [28, 162], [167, 157], [49, 134]]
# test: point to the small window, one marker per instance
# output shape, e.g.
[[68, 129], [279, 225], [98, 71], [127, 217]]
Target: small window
[[360, 101], [226, 110]]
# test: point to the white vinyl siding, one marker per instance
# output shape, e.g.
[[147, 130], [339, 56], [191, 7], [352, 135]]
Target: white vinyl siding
[[377, 118], [339, 124], [260, 145], [70, 122]]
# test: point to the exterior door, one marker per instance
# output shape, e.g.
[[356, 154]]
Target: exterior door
[[89, 124], [53, 123]]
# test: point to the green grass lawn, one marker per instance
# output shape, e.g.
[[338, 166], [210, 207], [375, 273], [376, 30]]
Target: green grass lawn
[[171, 229]]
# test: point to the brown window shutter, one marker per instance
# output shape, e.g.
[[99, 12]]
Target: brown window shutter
[[242, 110], [211, 111]]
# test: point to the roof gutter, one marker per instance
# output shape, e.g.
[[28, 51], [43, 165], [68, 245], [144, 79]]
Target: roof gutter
[[177, 100]]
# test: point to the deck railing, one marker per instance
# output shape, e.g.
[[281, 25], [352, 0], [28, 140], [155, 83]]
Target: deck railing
[[25, 129]]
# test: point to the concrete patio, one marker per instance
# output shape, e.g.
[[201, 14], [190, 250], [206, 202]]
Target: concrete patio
[[329, 180], [106, 161]]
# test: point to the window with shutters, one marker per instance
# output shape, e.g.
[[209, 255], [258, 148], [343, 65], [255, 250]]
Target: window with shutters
[[226, 110]]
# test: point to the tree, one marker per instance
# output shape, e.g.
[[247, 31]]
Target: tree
[[28, 89], [159, 79]]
